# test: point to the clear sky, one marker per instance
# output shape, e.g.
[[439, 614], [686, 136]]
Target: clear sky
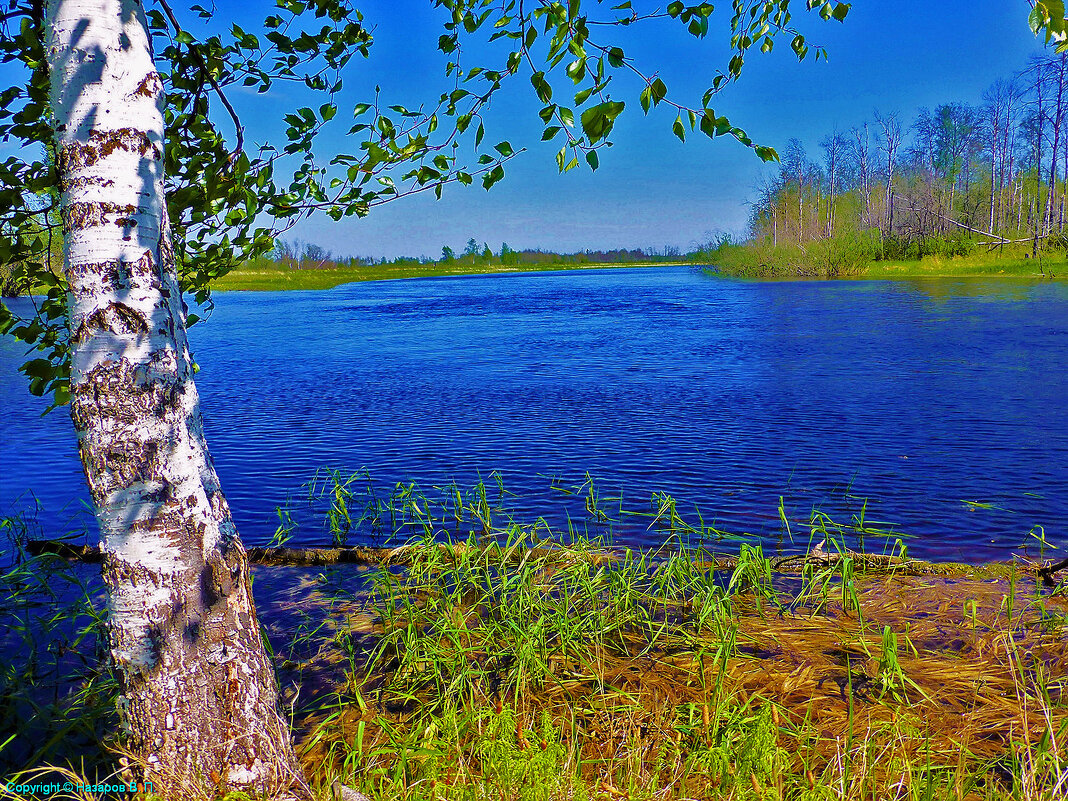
[[652, 190]]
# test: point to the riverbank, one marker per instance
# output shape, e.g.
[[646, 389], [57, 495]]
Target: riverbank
[[551, 677], [513, 670], [273, 279], [838, 261]]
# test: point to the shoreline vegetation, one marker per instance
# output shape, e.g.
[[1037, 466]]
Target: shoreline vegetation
[[859, 259], [746, 260], [863, 257], [968, 189], [271, 278], [487, 659]]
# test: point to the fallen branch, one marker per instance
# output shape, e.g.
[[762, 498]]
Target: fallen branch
[[318, 557], [996, 239], [550, 554], [1047, 571]]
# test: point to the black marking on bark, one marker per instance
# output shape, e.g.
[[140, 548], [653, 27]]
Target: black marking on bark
[[68, 183], [74, 156], [120, 392], [151, 86], [117, 274], [79, 216], [215, 579], [130, 461], [116, 317]]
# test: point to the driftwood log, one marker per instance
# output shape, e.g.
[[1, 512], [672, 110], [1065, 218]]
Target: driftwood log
[[316, 557]]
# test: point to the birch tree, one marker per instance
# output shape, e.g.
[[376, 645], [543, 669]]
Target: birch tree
[[889, 144], [198, 693], [834, 146]]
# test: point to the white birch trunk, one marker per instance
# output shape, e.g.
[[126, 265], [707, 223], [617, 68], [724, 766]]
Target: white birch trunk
[[199, 703]]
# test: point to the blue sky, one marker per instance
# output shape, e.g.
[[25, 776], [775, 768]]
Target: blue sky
[[652, 190]]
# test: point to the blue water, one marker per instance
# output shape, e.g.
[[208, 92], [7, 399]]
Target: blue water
[[917, 397]]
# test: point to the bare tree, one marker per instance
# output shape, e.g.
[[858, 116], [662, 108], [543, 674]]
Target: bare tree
[[1056, 69], [794, 172], [860, 152], [833, 148], [891, 142], [1001, 111]]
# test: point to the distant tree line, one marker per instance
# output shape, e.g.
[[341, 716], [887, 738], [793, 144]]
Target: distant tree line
[[955, 178], [298, 255]]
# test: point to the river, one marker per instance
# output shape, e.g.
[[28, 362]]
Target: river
[[942, 404]]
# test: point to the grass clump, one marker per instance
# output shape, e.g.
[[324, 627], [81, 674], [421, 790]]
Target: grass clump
[[511, 670]]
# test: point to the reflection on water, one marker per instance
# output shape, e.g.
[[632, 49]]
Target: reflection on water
[[920, 396]]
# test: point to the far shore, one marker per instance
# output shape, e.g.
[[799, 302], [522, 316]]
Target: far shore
[[737, 262], [280, 278]]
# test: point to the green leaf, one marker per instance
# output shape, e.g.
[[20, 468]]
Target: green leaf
[[541, 87], [576, 70], [657, 91], [679, 129], [584, 95], [591, 159], [1036, 19], [493, 176], [597, 121], [708, 125], [615, 56], [766, 153]]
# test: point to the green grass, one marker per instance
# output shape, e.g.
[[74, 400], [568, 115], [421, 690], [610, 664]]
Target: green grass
[[854, 259], [57, 693], [275, 279], [512, 672], [505, 666], [505, 662], [976, 266]]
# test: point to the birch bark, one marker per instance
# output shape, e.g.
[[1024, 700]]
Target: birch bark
[[199, 704]]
